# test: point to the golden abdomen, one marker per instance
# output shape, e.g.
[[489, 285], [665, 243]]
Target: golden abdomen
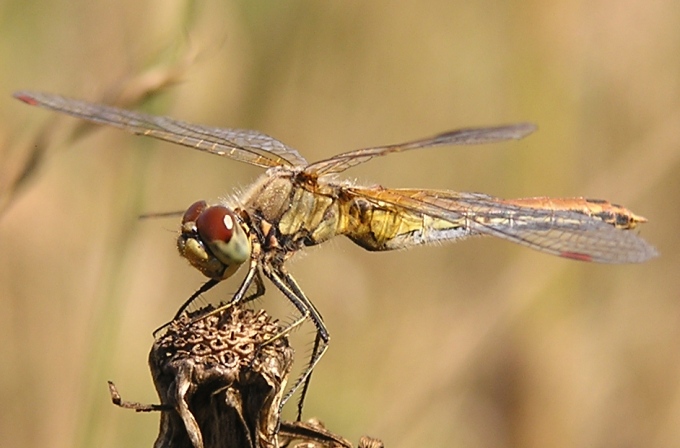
[[385, 227]]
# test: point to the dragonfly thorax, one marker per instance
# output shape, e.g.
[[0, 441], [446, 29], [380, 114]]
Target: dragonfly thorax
[[213, 240]]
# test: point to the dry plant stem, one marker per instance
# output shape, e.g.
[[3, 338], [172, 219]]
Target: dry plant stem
[[139, 407]]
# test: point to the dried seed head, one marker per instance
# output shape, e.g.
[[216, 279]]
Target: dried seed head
[[223, 372]]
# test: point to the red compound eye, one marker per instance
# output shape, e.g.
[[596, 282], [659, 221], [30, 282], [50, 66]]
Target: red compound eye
[[194, 211], [216, 224]]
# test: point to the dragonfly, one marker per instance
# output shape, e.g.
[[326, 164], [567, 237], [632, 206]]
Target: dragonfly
[[296, 204]]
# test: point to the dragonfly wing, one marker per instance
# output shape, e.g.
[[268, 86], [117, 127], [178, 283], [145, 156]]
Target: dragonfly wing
[[471, 136], [247, 146], [565, 233]]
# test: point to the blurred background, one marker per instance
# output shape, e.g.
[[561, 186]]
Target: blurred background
[[478, 344]]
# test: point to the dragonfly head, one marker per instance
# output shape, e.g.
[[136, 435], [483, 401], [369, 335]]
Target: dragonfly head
[[212, 239]]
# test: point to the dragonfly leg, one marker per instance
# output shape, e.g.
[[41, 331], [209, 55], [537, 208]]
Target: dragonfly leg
[[207, 286], [292, 291], [317, 352], [240, 296], [259, 288], [253, 275], [321, 342]]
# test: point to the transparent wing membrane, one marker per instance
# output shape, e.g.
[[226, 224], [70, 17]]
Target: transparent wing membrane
[[248, 146], [471, 136]]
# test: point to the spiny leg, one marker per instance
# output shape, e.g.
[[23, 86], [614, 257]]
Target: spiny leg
[[240, 295], [292, 291], [305, 387], [253, 274], [207, 286], [318, 349], [259, 288]]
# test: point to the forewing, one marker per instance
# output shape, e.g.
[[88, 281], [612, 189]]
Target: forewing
[[568, 234], [243, 145], [471, 136]]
